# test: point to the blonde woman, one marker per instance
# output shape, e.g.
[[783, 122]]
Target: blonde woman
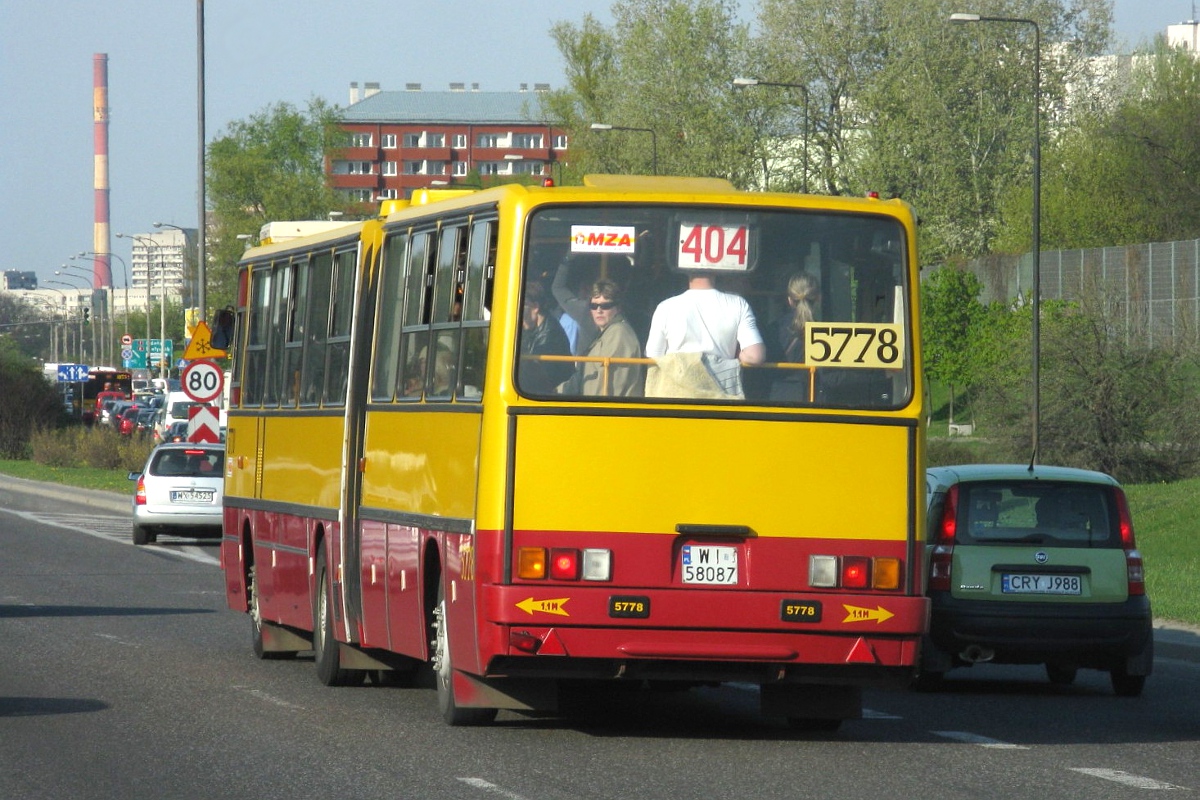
[[786, 345]]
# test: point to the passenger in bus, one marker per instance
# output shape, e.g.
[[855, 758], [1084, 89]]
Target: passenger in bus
[[616, 339], [542, 335], [785, 344], [717, 325]]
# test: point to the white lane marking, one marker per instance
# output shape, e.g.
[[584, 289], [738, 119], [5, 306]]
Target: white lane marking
[[982, 741], [870, 713], [117, 529], [117, 640], [480, 783], [1127, 779], [270, 698]]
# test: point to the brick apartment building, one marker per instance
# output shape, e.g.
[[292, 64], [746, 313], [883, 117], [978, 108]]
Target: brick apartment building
[[413, 139]]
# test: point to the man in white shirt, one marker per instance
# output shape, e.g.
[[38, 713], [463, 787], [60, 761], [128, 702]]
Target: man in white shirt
[[705, 320]]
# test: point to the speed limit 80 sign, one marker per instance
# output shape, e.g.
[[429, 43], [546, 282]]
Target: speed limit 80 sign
[[203, 381]]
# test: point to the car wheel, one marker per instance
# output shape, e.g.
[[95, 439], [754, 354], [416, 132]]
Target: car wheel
[[443, 673], [1126, 685], [1060, 675], [325, 646], [142, 535]]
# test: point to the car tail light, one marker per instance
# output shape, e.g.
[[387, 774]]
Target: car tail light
[[942, 557], [1133, 558], [139, 498]]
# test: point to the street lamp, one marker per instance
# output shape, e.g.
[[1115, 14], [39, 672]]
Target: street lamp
[[124, 294], [87, 277], [742, 83], [77, 290], [162, 301], [1037, 207], [600, 126]]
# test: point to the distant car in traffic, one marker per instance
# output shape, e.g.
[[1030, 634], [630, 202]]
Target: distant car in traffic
[[1034, 565], [179, 492], [176, 432]]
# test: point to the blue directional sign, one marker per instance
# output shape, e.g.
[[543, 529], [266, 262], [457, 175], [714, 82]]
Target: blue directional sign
[[72, 373]]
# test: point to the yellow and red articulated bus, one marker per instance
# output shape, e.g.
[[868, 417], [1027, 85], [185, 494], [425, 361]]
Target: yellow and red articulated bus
[[469, 437]]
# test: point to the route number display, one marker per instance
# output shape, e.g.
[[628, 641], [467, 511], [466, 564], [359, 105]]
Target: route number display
[[203, 381], [716, 247]]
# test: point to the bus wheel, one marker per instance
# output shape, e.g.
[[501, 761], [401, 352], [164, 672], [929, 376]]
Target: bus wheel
[[325, 646], [256, 625], [443, 674]]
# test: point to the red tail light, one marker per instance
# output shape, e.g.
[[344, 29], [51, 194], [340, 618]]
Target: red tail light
[[140, 497], [943, 550], [856, 572], [564, 564], [1134, 569]]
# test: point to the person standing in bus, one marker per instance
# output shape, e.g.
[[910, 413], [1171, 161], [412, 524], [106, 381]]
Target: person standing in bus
[[716, 324], [542, 335], [786, 344], [616, 339]]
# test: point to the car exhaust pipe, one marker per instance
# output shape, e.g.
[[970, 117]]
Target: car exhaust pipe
[[974, 654]]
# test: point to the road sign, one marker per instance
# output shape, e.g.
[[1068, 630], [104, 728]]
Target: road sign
[[204, 424], [72, 373], [126, 340], [201, 344], [203, 381]]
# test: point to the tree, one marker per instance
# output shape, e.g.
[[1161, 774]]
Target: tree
[[268, 167], [35, 401], [665, 66], [950, 320], [1126, 173]]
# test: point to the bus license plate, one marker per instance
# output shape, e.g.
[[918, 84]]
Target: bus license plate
[[1040, 584], [704, 563], [192, 496]]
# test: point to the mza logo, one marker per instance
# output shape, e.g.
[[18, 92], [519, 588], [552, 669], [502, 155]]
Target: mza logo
[[603, 239]]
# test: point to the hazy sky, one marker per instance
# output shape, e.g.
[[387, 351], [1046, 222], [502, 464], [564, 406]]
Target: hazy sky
[[258, 52]]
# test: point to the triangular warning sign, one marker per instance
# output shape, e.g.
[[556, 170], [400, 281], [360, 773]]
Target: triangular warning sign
[[201, 344]]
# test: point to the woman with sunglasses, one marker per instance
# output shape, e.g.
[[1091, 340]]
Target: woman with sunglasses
[[615, 338]]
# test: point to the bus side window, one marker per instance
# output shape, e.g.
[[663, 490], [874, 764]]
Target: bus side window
[[255, 372], [443, 367], [477, 294], [293, 346], [414, 338], [320, 280], [280, 300], [388, 317], [341, 318]]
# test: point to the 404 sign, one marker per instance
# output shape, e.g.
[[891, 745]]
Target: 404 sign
[[203, 381]]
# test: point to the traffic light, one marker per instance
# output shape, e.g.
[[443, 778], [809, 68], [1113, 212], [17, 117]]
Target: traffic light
[[87, 316]]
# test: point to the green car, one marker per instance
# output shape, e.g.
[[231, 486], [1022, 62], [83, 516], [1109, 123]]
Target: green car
[[1034, 565]]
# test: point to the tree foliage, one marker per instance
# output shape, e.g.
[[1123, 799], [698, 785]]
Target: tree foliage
[[268, 167], [1126, 173], [35, 401], [950, 322], [665, 66]]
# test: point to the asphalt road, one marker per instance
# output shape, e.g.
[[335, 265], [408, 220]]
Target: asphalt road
[[123, 675]]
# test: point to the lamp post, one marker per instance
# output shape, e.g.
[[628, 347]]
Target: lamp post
[[162, 300], [600, 126], [86, 276], [77, 290], [124, 294], [741, 83], [1037, 207]]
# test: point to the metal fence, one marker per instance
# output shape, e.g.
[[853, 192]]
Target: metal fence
[[1154, 288]]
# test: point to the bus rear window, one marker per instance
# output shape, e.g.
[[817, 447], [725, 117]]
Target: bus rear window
[[715, 305]]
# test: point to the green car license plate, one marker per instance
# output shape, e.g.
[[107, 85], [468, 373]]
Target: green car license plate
[[1017, 583]]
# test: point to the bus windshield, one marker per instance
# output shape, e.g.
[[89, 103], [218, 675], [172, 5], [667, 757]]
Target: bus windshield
[[717, 305]]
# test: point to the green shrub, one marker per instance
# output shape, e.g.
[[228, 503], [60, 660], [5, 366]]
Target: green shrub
[[90, 447]]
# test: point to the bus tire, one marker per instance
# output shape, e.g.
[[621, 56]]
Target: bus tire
[[256, 625], [443, 673], [326, 652]]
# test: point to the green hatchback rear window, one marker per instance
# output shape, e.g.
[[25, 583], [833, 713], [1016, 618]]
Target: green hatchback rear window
[[1057, 514]]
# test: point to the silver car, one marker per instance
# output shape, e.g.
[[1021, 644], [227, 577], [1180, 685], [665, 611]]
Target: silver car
[[179, 491]]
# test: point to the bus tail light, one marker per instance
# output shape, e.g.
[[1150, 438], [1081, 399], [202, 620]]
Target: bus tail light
[[854, 572], [564, 564], [942, 557], [1134, 569]]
